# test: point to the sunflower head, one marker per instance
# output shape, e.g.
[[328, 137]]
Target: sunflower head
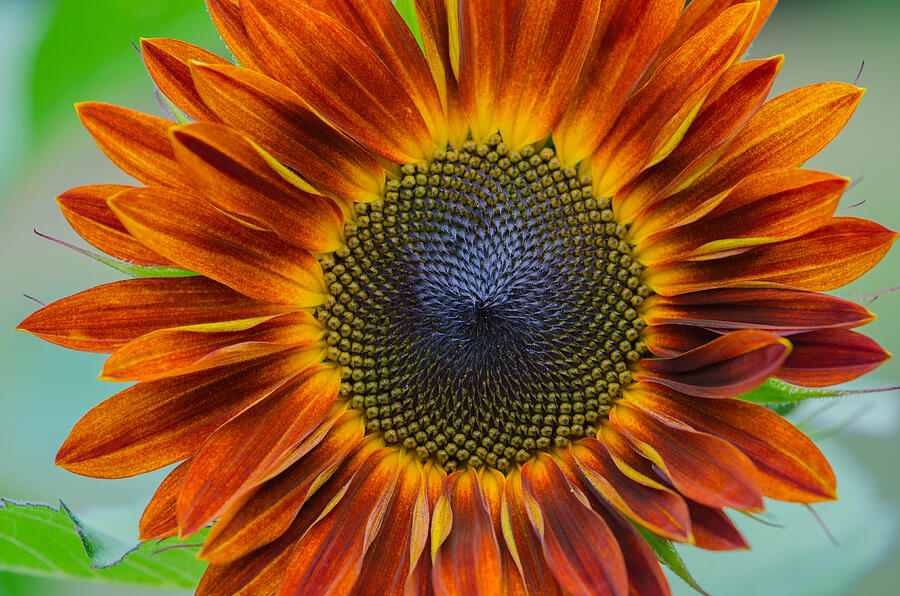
[[459, 313]]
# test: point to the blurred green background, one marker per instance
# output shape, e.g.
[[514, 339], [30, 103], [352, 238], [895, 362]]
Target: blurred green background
[[57, 52]]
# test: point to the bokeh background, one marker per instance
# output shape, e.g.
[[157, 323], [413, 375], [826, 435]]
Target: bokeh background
[[54, 53]]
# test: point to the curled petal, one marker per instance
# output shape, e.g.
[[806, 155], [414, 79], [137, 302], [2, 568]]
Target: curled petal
[[238, 177], [790, 466], [242, 451], [702, 467], [137, 143], [329, 556], [465, 552], [86, 210], [193, 234], [773, 310], [830, 356], [276, 118], [727, 366], [713, 530], [168, 61], [565, 523], [339, 77], [157, 423], [105, 318]]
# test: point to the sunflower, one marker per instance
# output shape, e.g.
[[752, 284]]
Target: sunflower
[[466, 315]]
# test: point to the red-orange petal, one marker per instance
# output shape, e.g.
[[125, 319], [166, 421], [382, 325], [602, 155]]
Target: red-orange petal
[[169, 352], [157, 423], [672, 95], [168, 61], [702, 467], [383, 30], [522, 542], [340, 77], [238, 177], [240, 452], [713, 530], [86, 210], [736, 96], [190, 232], [658, 509], [485, 29], [226, 16], [727, 366], [465, 551], [159, 519], [829, 357], [542, 67], [105, 318], [401, 542], [645, 576], [137, 143], [329, 556], [837, 253], [270, 510], [790, 466], [762, 209], [773, 310], [627, 36], [277, 119], [562, 517]]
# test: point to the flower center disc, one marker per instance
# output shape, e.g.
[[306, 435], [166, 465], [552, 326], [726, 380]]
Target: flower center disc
[[486, 308]]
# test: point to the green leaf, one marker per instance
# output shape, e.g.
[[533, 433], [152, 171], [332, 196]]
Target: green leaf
[[37, 539], [777, 393], [668, 556], [407, 10], [126, 268]]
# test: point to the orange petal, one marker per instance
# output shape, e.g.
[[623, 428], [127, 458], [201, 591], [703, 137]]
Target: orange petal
[[485, 31], [713, 530], [790, 466], [419, 580], [561, 516], [159, 519], [830, 257], [238, 177], [86, 211], [785, 132], [340, 77], [699, 13], [658, 509], [727, 366], [241, 451], [434, 26], [542, 68], [675, 91], [105, 318], [381, 27], [157, 423], [170, 352], [629, 460], [736, 96], [227, 17], [830, 356], [137, 143], [493, 485], [645, 576], [399, 545], [762, 209], [271, 509], [276, 118], [674, 340], [329, 556], [702, 467], [193, 234], [627, 36], [522, 542], [772, 310], [466, 560], [168, 61]]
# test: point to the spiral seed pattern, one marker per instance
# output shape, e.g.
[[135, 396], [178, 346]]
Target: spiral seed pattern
[[486, 308]]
